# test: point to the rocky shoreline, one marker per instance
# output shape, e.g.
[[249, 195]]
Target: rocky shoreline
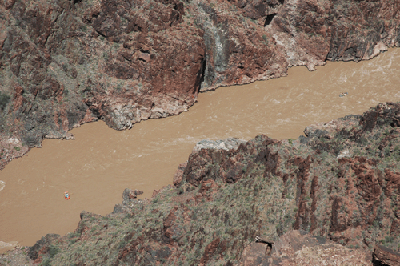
[[66, 63], [277, 202]]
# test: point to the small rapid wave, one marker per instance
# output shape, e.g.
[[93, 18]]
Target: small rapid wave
[[5, 245]]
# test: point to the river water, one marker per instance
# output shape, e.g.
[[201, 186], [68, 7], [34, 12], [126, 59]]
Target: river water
[[100, 163]]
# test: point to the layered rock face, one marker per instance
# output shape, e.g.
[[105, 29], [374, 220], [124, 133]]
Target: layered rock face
[[299, 248], [345, 180], [330, 198], [64, 63]]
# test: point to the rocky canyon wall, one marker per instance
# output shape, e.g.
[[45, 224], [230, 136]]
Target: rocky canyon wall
[[64, 63]]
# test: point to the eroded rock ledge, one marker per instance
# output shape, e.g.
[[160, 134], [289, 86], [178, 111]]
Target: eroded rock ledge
[[64, 63]]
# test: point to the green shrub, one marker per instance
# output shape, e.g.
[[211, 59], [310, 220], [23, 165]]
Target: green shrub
[[46, 262], [4, 100], [53, 250]]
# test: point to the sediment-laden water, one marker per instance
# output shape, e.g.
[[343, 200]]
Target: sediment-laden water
[[100, 163]]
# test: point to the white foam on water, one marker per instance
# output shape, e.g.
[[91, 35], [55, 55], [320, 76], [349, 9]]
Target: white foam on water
[[275, 101], [8, 245], [2, 185]]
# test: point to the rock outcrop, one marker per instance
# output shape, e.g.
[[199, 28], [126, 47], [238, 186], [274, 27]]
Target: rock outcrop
[[385, 256], [345, 185], [225, 144], [64, 63], [299, 248]]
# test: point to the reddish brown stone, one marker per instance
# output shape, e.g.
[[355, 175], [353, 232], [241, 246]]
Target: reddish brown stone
[[209, 251], [386, 256]]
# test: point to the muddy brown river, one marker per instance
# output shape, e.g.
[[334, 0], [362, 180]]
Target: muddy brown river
[[101, 162]]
